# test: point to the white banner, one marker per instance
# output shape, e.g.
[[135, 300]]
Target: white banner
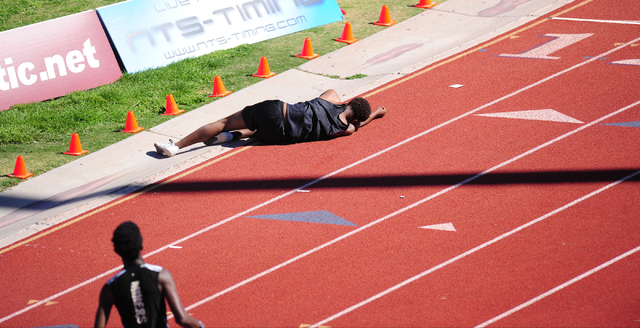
[[155, 33]]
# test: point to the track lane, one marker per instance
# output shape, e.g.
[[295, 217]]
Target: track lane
[[368, 272], [608, 299], [194, 186], [462, 292], [329, 284]]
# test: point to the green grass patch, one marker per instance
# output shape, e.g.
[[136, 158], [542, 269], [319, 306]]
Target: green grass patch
[[357, 76], [41, 131]]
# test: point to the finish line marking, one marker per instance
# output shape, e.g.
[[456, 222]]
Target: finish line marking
[[70, 289], [597, 20]]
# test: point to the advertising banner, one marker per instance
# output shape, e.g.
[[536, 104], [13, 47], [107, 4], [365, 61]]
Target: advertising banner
[[53, 58], [155, 33]]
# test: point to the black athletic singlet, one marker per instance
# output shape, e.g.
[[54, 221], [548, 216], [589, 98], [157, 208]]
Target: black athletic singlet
[[313, 120], [138, 298]]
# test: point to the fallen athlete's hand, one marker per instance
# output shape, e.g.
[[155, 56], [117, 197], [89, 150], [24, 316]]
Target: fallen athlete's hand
[[380, 111]]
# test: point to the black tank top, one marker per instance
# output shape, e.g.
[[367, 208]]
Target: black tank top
[[313, 120], [138, 298]]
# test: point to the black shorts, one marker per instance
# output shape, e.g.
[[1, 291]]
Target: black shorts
[[267, 120]]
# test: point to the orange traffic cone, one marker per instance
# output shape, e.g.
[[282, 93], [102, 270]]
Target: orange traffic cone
[[426, 4], [307, 50], [132, 125], [218, 88], [347, 34], [263, 69], [385, 18], [20, 170], [172, 107], [75, 148]]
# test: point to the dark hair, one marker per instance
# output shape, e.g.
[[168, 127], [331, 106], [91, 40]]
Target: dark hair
[[127, 240], [361, 108]]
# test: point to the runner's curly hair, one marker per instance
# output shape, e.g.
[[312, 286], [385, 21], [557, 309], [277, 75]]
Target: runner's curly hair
[[127, 241], [361, 108]]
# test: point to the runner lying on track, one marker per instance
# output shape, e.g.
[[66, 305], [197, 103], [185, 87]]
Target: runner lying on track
[[276, 122], [140, 289]]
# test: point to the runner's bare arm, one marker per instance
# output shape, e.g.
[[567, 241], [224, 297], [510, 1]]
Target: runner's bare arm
[[183, 318], [378, 113], [331, 96], [350, 130], [355, 125], [104, 308]]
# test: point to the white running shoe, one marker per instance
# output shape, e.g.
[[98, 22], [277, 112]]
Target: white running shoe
[[166, 149]]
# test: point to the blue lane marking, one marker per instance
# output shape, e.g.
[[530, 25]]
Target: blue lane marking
[[324, 217], [629, 124]]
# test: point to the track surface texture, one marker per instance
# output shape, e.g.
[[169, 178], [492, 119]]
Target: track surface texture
[[511, 200]]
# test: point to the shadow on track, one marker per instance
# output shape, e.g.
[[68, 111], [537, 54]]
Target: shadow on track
[[510, 178], [551, 177]]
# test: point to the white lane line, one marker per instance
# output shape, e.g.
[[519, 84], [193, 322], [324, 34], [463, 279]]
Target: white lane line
[[329, 243], [558, 288], [66, 291], [471, 251], [330, 175], [597, 20]]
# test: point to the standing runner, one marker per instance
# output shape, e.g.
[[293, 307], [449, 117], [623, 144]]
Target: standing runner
[[140, 289]]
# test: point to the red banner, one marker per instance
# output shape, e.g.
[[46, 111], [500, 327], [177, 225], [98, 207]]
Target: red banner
[[53, 58]]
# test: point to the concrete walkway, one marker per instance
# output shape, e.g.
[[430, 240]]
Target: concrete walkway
[[107, 174]]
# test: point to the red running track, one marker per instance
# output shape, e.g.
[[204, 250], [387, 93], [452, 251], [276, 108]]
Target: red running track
[[545, 212]]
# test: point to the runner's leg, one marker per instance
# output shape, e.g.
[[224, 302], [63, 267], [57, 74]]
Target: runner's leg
[[229, 123]]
